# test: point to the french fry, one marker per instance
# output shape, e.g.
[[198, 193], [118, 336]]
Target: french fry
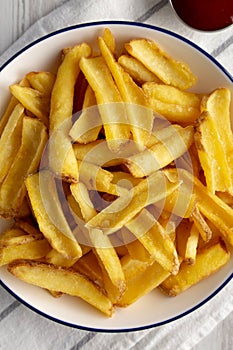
[[13, 190], [109, 39], [63, 280], [167, 69], [176, 105], [191, 246], [161, 153], [47, 207], [155, 239], [209, 205], [108, 259], [61, 156], [88, 265], [139, 114], [42, 81], [11, 139], [80, 194], [109, 101], [23, 247], [207, 262], [124, 208], [33, 100], [137, 70], [215, 157], [11, 105], [201, 224], [88, 125], [146, 279]]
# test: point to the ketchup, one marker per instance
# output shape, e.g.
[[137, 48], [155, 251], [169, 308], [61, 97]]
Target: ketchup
[[205, 14]]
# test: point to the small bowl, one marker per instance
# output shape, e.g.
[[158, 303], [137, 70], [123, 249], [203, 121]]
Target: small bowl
[[154, 309], [197, 15]]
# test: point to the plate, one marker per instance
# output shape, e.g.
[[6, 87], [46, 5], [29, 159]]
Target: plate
[[154, 309]]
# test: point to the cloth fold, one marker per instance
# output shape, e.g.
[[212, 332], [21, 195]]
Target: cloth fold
[[23, 329]]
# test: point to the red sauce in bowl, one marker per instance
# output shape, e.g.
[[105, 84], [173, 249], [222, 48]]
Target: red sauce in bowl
[[205, 14]]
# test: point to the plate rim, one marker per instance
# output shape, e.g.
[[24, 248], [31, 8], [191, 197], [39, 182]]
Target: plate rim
[[228, 75]]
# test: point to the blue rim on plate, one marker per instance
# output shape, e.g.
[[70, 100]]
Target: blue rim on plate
[[228, 75]]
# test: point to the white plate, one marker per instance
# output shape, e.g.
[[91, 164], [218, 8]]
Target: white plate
[[153, 309]]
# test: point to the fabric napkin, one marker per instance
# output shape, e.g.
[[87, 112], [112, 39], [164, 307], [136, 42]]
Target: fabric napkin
[[23, 329]]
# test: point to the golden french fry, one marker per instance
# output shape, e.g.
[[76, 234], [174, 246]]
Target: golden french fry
[[88, 265], [63, 280], [109, 39], [33, 100], [139, 114], [113, 277], [209, 205], [10, 107], [145, 277], [10, 140], [201, 224], [80, 194], [155, 239], [61, 105], [207, 262], [176, 105], [124, 208], [23, 247], [48, 212], [42, 81], [215, 157], [55, 258], [167, 69], [110, 104], [191, 246], [13, 190], [161, 153], [61, 156], [88, 125], [137, 70]]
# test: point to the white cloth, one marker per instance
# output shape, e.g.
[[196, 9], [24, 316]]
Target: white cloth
[[23, 329]]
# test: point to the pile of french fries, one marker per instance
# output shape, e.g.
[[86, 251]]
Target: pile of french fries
[[119, 179]]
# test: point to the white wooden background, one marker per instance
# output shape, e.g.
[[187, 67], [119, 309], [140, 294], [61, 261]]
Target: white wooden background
[[15, 17]]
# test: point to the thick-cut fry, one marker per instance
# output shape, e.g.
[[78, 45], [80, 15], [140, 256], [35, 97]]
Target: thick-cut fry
[[88, 125], [61, 156], [146, 279], [63, 280], [113, 277], [155, 239], [139, 114], [174, 104], [109, 39], [80, 194], [211, 206], [110, 104], [10, 107], [61, 106], [201, 224], [41, 81], [169, 70], [191, 246], [33, 100], [161, 153], [216, 157], [48, 212], [207, 262], [11, 139], [137, 70], [88, 265], [25, 247], [13, 190], [124, 208]]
